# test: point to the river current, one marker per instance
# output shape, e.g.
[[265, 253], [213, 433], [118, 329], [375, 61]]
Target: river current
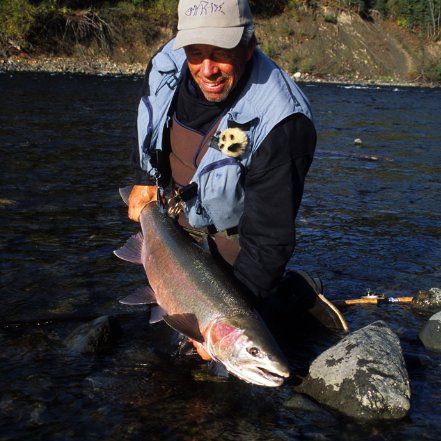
[[370, 221]]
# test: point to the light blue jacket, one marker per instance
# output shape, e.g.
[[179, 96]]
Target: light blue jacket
[[269, 96]]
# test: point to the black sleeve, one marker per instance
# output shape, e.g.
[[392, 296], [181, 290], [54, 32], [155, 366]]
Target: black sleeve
[[273, 192]]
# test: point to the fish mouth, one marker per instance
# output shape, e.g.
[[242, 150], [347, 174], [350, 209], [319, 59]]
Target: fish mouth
[[276, 379], [260, 376]]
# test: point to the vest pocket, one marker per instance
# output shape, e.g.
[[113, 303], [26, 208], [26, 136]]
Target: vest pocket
[[220, 199]]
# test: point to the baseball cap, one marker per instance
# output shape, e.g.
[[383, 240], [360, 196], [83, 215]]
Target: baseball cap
[[218, 23]]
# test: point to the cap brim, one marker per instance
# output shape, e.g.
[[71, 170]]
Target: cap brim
[[226, 38]]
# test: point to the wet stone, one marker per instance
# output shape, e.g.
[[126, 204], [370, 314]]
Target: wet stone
[[94, 337], [430, 334], [429, 300], [302, 403], [363, 376]]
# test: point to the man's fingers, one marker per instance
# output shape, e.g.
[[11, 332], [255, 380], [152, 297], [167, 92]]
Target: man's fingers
[[139, 197]]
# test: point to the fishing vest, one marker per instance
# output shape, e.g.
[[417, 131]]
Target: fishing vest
[[268, 97]]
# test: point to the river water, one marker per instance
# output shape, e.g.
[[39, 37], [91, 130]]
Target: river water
[[370, 221]]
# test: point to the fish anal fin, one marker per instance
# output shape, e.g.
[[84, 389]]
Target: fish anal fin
[[142, 296], [186, 324], [156, 314], [132, 249]]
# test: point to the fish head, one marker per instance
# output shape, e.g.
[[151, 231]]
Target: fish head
[[246, 348]]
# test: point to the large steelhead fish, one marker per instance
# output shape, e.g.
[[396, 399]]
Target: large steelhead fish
[[199, 300]]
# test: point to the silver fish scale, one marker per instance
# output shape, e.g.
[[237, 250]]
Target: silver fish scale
[[214, 293], [201, 301]]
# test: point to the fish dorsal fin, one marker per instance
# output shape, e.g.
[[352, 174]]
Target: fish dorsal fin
[[156, 314], [186, 324], [142, 296], [132, 249], [124, 192]]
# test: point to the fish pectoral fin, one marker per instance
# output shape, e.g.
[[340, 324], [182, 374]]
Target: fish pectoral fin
[[186, 324], [132, 249], [217, 369], [142, 296], [201, 350], [187, 347]]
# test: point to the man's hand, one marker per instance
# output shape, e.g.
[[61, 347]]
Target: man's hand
[[139, 197]]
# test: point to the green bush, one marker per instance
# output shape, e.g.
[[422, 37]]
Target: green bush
[[433, 73], [268, 49], [164, 9], [330, 17], [267, 8], [59, 30], [16, 19]]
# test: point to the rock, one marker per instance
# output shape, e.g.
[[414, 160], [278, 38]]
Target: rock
[[363, 376], [93, 337], [7, 203], [429, 300], [430, 334], [416, 362], [301, 403]]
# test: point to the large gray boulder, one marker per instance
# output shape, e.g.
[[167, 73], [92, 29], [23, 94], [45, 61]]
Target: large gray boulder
[[429, 300], [363, 376], [430, 333], [95, 336]]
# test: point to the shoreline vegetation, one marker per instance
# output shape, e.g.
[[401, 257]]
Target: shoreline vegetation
[[333, 41], [105, 67]]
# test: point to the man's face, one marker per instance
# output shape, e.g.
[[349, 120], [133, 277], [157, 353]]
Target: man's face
[[216, 70]]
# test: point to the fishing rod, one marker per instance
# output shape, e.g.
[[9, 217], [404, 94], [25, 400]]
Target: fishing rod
[[373, 299]]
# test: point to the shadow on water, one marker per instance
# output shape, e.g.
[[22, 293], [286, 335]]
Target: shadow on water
[[370, 220]]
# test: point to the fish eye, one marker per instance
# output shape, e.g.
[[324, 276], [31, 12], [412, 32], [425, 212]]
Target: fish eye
[[253, 351]]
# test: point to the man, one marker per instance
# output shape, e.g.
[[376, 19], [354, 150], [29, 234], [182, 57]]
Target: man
[[229, 132]]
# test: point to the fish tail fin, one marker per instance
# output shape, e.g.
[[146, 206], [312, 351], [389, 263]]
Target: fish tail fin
[[124, 192]]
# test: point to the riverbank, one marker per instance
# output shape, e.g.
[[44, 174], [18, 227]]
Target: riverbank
[[73, 65], [105, 66], [307, 45]]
